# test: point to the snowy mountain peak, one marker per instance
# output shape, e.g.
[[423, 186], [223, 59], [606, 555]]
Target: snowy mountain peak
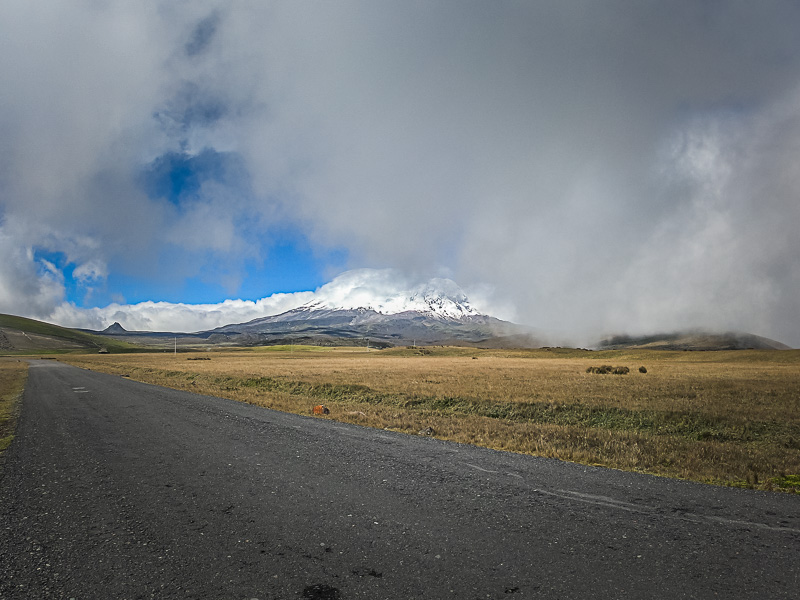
[[380, 291]]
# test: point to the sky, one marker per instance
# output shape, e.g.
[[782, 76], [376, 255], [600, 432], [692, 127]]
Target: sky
[[584, 167]]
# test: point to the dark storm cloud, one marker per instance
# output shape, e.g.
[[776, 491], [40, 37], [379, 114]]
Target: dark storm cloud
[[202, 35]]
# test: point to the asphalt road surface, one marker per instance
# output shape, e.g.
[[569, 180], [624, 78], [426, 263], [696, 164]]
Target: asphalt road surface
[[116, 489]]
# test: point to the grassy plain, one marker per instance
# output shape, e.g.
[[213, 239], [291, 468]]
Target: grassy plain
[[730, 418], [13, 374]]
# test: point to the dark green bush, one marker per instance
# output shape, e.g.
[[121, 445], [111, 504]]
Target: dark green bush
[[606, 369]]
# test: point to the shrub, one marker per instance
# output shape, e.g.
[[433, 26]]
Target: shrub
[[642, 370], [606, 369]]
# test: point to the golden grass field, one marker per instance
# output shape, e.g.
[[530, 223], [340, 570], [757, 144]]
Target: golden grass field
[[730, 418], [13, 374]]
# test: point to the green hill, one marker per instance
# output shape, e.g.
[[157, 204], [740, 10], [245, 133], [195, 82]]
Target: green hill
[[20, 335]]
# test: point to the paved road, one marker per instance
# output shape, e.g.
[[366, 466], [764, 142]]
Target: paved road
[[116, 489]]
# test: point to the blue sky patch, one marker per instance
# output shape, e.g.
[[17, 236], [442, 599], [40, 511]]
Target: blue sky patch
[[177, 176]]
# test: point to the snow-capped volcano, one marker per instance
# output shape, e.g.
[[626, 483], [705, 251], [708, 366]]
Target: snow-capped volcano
[[379, 306], [369, 290]]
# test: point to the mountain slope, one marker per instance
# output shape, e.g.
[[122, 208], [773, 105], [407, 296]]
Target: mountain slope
[[437, 312], [20, 334], [404, 328]]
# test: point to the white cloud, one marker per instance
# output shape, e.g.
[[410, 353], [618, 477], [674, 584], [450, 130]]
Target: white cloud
[[27, 287], [729, 259], [90, 272], [165, 316]]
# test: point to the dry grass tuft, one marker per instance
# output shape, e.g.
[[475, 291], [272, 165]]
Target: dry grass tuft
[[13, 374]]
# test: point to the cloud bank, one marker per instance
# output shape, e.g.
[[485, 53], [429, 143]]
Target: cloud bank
[[383, 290], [593, 167]]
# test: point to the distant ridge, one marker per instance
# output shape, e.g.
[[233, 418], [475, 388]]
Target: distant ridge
[[319, 326], [693, 340]]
